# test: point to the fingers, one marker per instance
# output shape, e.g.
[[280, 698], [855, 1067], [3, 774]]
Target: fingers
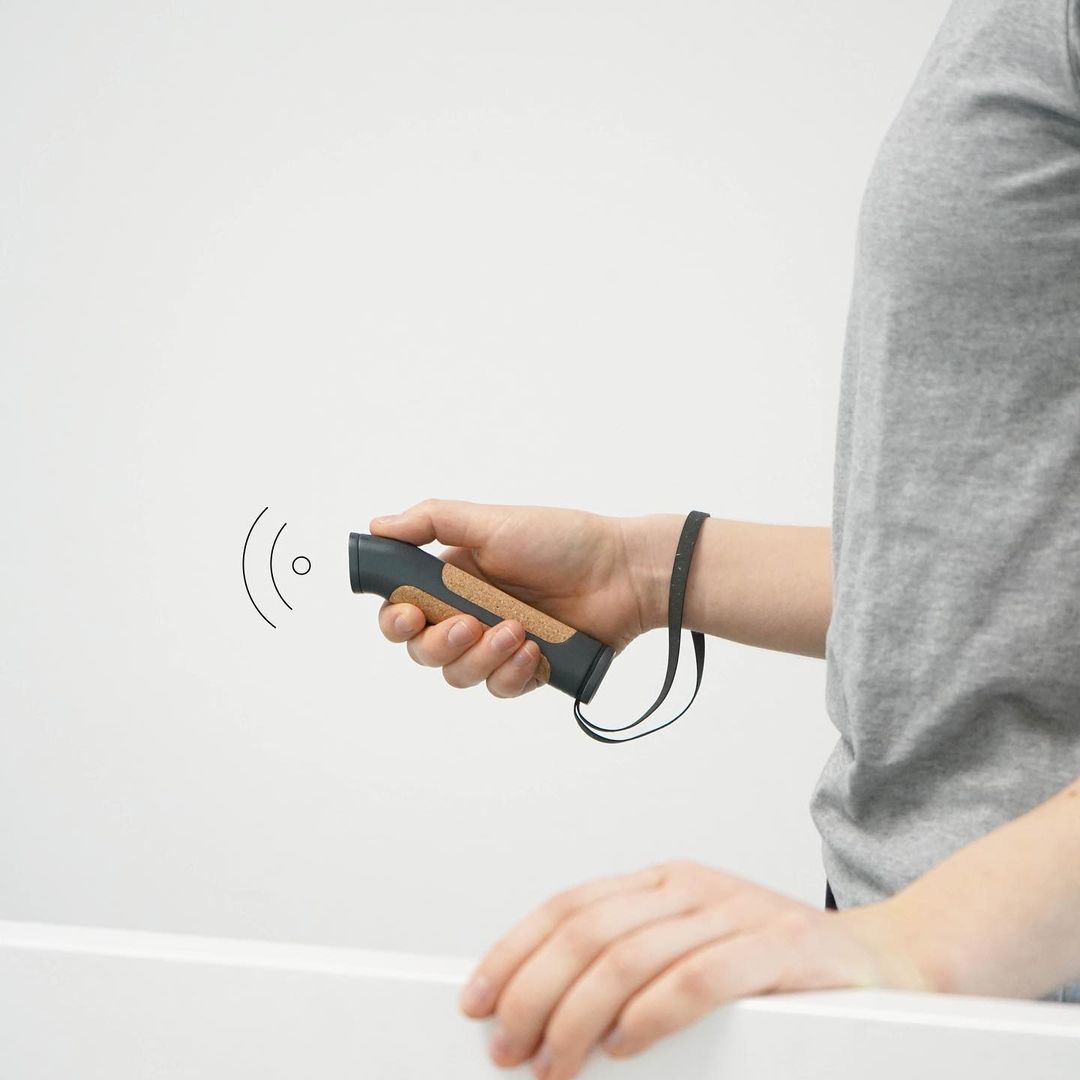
[[741, 965], [513, 948], [468, 651], [592, 1005], [463, 559], [627, 960], [500, 657], [535, 989], [640, 965], [518, 675], [399, 622], [449, 521]]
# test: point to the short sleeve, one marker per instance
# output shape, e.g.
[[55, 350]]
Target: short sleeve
[[1072, 32]]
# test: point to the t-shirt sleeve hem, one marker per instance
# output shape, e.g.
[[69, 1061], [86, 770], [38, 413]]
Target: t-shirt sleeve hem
[[1072, 39]]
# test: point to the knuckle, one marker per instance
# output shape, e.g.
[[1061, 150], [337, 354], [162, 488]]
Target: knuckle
[[570, 1028], [624, 962], [580, 934], [693, 981], [500, 691], [416, 651], [681, 866], [456, 678], [639, 1024], [513, 1011], [567, 1040], [680, 894], [558, 906]]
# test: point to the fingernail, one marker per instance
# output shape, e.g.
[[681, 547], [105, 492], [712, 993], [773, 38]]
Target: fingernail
[[390, 517], [522, 656], [505, 639], [501, 1045], [460, 633], [477, 994], [542, 1062], [403, 624]]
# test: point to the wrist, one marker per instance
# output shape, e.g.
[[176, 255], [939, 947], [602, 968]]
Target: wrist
[[649, 543], [895, 941]]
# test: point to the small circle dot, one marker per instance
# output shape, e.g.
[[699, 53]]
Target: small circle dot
[[301, 565]]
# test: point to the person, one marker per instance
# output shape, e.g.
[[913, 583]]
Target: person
[[945, 601]]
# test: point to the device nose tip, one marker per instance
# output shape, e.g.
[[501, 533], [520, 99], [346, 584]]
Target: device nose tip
[[354, 563]]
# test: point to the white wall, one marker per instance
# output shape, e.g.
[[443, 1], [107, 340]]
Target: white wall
[[340, 257]]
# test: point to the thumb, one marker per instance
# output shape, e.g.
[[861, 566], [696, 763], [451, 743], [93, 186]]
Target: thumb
[[449, 521]]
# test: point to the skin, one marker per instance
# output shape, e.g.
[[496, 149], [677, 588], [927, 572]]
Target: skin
[[763, 585], [623, 961], [569, 563]]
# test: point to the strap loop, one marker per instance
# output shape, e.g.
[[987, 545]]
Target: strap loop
[[680, 571]]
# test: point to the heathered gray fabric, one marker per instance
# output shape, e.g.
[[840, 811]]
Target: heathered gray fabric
[[953, 655]]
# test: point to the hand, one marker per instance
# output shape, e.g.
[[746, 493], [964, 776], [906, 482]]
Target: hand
[[593, 572], [639, 956]]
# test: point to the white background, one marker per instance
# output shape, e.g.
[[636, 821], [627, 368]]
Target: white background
[[336, 258]]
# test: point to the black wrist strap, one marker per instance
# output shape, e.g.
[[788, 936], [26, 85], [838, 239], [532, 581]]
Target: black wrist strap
[[679, 574]]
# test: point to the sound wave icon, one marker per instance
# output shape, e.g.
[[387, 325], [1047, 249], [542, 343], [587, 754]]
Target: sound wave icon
[[301, 564]]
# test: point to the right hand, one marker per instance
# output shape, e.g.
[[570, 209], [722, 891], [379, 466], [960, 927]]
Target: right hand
[[581, 568]]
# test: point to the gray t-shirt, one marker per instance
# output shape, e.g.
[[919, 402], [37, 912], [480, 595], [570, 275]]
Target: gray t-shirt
[[953, 655]]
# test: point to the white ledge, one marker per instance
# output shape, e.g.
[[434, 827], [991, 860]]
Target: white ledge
[[93, 1002]]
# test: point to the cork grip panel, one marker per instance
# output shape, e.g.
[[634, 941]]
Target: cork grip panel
[[505, 606], [435, 610]]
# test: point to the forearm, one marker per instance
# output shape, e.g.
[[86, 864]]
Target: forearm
[[764, 585], [999, 916]]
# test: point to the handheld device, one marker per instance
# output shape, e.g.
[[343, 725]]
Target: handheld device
[[401, 572]]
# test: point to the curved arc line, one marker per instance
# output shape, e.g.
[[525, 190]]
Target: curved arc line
[[272, 578], [243, 565]]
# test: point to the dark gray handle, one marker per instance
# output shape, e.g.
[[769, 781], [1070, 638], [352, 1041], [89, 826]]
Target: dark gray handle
[[404, 573]]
